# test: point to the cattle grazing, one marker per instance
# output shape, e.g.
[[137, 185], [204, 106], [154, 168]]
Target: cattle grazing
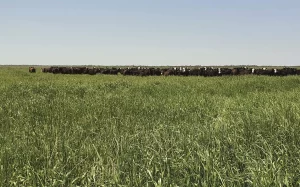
[[169, 71], [32, 70], [175, 71], [225, 71], [211, 72]]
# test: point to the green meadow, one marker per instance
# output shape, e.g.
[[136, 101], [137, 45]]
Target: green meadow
[[106, 130]]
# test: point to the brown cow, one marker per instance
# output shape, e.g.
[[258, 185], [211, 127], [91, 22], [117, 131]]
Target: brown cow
[[32, 70]]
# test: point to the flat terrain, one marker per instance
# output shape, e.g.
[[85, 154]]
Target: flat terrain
[[105, 130]]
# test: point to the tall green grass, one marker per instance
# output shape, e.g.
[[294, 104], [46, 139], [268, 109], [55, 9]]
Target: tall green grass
[[81, 130]]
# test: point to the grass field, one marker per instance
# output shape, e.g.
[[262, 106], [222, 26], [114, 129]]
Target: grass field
[[82, 130]]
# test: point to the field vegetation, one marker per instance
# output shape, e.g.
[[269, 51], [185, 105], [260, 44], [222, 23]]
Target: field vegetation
[[105, 130]]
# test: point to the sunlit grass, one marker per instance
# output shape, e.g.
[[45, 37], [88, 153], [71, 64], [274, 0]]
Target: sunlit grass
[[68, 130]]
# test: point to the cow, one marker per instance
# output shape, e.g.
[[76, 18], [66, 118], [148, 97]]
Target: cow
[[155, 71], [211, 72], [194, 72], [169, 71], [32, 70], [225, 71], [264, 71], [79, 70], [46, 70], [289, 71]]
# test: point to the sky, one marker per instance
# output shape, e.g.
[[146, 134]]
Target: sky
[[150, 32]]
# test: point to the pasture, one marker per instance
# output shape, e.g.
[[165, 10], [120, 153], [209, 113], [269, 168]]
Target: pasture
[[115, 130]]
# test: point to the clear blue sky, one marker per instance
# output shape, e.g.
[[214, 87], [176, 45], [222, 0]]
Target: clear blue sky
[[150, 32]]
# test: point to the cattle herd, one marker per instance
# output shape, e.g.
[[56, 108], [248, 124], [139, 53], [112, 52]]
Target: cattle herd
[[179, 71]]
